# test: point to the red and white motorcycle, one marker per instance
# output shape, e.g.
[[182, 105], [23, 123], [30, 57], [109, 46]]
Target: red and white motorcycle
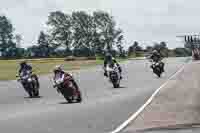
[[66, 86]]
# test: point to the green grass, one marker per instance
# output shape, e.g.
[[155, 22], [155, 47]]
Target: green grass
[[9, 68]]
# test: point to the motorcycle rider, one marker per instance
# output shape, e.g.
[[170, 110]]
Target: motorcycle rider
[[62, 75], [110, 60], [157, 58], [24, 66]]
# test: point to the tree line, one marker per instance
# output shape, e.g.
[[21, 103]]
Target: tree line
[[137, 50], [77, 34]]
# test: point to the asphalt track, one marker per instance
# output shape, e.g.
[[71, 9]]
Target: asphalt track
[[103, 107]]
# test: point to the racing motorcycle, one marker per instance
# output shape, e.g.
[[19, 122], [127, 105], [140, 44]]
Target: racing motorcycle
[[114, 75], [30, 83], [66, 87]]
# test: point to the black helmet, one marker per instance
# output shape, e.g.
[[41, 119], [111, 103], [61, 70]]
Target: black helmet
[[24, 62]]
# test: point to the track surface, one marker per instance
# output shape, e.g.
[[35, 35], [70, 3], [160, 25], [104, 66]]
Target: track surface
[[103, 109]]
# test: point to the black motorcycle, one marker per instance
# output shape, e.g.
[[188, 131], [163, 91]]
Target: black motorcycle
[[114, 75], [30, 83], [157, 68]]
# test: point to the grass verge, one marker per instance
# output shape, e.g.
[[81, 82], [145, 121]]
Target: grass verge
[[9, 68]]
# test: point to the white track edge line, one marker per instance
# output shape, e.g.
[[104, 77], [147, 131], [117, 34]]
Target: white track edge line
[[134, 116]]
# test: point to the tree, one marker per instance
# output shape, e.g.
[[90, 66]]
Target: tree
[[83, 31], [136, 47], [121, 50], [83, 52], [20, 52], [163, 45], [18, 40], [130, 50], [106, 31], [33, 51], [149, 49], [182, 52], [60, 29], [162, 48], [80, 30], [43, 45], [7, 46]]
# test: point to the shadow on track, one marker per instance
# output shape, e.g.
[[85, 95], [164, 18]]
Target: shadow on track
[[37, 97], [68, 102], [121, 87]]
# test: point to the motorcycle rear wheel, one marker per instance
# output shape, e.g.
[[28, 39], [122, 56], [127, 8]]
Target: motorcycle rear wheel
[[68, 99], [30, 94], [116, 85], [159, 75]]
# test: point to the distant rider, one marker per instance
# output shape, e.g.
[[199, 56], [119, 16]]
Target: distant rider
[[109, 60], [24, 67], [157, 58]]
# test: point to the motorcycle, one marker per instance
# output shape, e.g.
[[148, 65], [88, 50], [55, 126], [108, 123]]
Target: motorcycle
[[157, 68], [114, 75], [30, 83], [66, 87]]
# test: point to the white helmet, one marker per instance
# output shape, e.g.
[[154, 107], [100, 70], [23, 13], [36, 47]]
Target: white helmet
[[58, 68]]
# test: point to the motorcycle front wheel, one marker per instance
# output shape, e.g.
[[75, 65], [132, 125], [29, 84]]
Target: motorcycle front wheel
[[157, 72], [79, 98], [116, 85], [29, 90], [30, 94], [159, 75], [36, 93], [68, 99]]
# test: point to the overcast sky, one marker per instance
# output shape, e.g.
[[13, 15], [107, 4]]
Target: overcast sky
[[145, 21]]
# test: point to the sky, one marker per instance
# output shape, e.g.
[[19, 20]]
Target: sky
[[146, 21]]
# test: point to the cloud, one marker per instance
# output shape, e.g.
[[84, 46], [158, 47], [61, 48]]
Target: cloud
[[29, 16], [155, 19], [143, 20]]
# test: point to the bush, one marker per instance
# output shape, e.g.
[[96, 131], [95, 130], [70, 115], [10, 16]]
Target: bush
[[83, 52]]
